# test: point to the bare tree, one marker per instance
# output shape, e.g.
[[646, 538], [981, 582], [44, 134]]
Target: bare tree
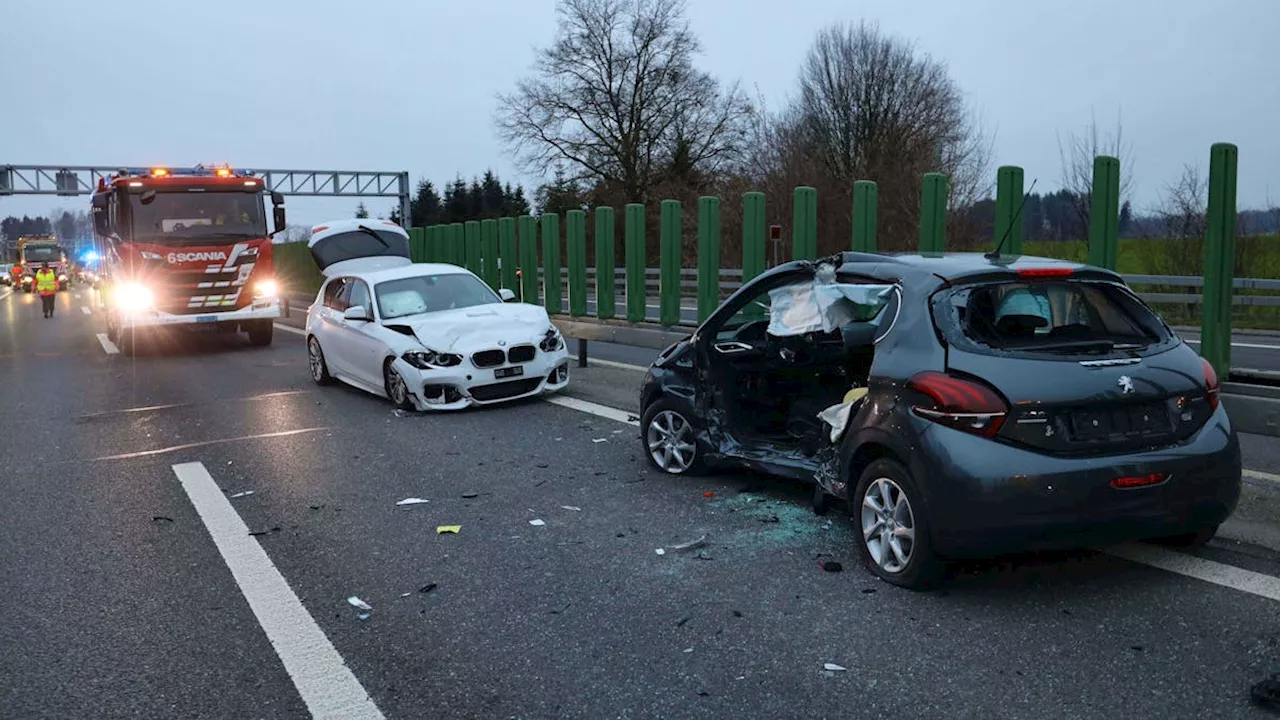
[[1077, 154], [1184, 204], [616, 99], [871, 108]]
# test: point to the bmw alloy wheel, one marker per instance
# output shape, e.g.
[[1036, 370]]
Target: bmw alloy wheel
[[670, 442], [314, 359], [396, 389], [888, 525]]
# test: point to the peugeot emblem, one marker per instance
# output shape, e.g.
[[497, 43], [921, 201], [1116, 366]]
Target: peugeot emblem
[[503, 343], [1126, 385]]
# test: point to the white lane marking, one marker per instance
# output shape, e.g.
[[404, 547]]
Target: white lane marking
[[76, 295], [293, 330], [203, 443], [1255, 346], [611, 363], [5, 293], [1227, 576], [85, 309], [604, 411], [107, 345], [322, 677], [1263, 476]]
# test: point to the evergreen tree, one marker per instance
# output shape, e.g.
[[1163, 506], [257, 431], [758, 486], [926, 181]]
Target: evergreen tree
[[361, 210], [424, 206]]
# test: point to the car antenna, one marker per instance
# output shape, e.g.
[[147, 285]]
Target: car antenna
[[995, 254]]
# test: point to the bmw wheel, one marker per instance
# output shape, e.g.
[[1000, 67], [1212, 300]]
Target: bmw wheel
[[397, 390], [894, 541], [315, 358], [670, 439]]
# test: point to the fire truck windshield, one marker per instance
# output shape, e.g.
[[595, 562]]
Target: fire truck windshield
[[41, 254], [182, 217]]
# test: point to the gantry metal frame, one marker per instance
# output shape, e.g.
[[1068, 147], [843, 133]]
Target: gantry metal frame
[[72, 180]]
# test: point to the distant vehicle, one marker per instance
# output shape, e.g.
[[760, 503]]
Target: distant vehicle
[[6, 274], [185, 248], [968, 406], [34, 251], [427, 336]]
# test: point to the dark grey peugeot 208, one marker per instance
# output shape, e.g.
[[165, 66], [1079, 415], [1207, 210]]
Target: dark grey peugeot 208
[[970, 406]]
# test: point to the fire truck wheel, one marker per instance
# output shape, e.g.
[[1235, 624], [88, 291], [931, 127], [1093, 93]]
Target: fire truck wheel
[[127, 342], [261, 332], [113, 330]]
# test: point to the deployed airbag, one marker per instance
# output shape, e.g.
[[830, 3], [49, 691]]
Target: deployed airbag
[[820, 305]]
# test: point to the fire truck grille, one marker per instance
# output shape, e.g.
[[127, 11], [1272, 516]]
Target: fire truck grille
[[210, 290]]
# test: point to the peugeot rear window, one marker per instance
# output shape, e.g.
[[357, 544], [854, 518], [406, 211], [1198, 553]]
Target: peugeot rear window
[[1048, 317]]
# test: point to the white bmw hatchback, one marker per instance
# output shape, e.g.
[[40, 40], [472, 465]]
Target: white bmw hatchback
[[428, 336]]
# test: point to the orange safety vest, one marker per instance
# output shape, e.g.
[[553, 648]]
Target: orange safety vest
[[46, 282]]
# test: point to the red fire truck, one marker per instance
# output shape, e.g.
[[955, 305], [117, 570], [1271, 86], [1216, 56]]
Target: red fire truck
[[187, 247]]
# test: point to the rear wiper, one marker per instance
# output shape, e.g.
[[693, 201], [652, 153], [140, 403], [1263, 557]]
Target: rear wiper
[[1079, 346], [376, 236]]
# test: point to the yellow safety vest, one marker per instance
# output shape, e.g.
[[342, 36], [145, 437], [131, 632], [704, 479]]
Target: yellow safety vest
[[46, 281]]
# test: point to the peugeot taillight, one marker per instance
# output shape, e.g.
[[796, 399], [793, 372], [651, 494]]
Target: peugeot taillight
[[1212, 387], [961, 403]]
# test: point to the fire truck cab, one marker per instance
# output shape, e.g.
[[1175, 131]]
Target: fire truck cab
[[187, 247]]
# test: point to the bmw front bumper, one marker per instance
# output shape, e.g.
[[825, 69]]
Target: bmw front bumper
[[463, 386]]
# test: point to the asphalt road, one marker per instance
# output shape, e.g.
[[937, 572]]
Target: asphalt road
[[133, 588]]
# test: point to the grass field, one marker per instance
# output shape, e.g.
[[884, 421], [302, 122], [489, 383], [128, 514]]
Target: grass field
[[1256, 257]]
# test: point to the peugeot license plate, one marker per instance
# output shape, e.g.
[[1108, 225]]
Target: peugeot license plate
[[206, 318], [508, 372]]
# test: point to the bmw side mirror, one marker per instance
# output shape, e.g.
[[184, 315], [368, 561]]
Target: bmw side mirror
[[507, 295], [356, 312]]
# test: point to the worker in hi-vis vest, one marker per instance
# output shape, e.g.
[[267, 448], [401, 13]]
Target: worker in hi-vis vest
[[47, 286]]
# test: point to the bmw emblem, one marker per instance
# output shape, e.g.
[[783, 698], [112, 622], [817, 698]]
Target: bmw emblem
[[502, 343]]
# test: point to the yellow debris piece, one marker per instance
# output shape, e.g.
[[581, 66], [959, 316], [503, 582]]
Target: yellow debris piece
[[442, 529]]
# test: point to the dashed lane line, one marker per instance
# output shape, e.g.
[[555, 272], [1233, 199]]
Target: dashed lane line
[[188, 446], [1263, 476], [612, 364], [315, 667], [290, 329], [1217, 573], [107, 345], [85, 309], [1255, 346]]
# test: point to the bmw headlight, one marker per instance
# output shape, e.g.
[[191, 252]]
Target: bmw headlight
[[132, 297], [552, 340], [430, 359]]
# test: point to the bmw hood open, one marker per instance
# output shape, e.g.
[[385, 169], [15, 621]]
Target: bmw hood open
[[478, 327]]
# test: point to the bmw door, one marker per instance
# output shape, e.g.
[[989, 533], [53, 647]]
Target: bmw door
[[363, 349], [329, 324]]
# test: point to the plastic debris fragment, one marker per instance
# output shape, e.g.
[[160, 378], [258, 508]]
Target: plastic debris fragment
[[442, 529], [469, 495], [575, 508], [688, 650], [536, 523], [242, 494], [411, 501], [660, 551], [708, 494], [599, 440], [832, 667], [427, 588], [158, 518], [358, 603], [690, 544], [405, 594]]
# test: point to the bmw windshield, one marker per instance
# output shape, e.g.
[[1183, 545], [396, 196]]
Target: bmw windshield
[[431, 293], [183, 217]]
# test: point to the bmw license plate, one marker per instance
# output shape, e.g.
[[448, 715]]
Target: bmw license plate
[[206, 318], [508, 372]]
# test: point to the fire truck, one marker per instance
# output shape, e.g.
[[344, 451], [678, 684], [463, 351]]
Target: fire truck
[[37, 250], [187, 247]]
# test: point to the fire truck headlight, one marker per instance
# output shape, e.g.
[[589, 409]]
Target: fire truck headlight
[[266, 288], [132, 297]]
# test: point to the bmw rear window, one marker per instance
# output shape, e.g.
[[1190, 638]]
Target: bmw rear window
[[1053, 317]]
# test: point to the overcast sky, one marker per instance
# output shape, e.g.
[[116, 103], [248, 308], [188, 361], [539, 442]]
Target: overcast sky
[[410, 85]]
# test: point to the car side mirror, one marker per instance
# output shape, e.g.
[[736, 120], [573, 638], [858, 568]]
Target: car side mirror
[[507, 295], [859, 334], [356, 312]]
